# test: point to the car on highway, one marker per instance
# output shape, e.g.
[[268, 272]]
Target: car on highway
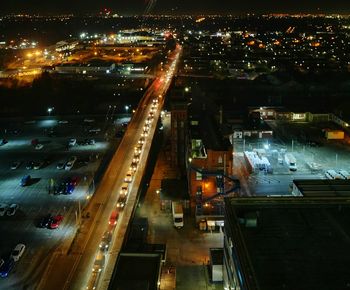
[[25, 180], [138, 150], [12, 209], [17, 252], [45, 221], [113, 218], [3, 208], [144, 134], [7, 267], [39, 146], [128, 176], [70, 163], [133, 166], [15, 165], [55, 221], [60, 165], [124, 190], [135, 159], [141, 140], [106, 240], [121, 202], [72, 142]]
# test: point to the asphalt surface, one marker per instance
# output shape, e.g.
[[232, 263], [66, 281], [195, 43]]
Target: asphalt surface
[[37, 199]]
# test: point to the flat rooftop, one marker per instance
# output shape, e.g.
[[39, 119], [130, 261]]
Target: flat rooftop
[[323, 187], [136, 271], [298, 243]]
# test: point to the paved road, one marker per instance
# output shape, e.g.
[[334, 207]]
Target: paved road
[[75, 265]]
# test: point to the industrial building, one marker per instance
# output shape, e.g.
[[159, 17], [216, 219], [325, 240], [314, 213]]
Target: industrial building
[[287, 243]]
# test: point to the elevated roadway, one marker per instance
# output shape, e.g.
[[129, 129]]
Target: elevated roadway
[[71, 266]]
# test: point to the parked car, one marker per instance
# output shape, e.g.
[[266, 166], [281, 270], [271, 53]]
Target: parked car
[[3, 142], [39, 146], [30, 165], [25, 180], [15, 165], [55, 221], [89, 142], [38, 164], [7, 267], [34, 142], [3, 209], [70, 163], [12, 209], [45, 221], [17, 252], [60, 165], [72, 142]]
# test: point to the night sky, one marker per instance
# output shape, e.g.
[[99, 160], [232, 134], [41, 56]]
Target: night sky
[[176, 6]]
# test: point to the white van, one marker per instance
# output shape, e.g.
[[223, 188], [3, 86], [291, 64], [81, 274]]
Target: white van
[[332, 174]]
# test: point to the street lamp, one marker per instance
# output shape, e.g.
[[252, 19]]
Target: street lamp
[[126, 108], [50, 109]]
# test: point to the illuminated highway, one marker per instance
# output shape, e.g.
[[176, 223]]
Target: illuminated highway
[[80, 264]]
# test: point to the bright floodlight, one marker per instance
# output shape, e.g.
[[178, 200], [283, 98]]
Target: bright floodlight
[[50, 109]]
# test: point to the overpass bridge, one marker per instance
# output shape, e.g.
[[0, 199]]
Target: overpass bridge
[[80, 265]]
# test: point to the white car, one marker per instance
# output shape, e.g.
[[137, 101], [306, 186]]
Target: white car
[[39, 146], [17, 252], [72, 142], [3, 209], [15, 165], [12, 209], [70, 163]]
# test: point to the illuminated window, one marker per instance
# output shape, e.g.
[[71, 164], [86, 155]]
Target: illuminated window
[[220, 159]]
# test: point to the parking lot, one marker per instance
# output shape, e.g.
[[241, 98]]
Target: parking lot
[[314, 155], [55, 187]]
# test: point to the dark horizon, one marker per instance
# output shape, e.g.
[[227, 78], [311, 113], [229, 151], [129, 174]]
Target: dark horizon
[[139, 7]]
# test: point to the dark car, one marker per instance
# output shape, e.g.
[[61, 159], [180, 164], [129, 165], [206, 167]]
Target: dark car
[[25, 180], [60, 189], [3, 142], [45, 221], [30, 165], [7, 267], [67, 185]]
